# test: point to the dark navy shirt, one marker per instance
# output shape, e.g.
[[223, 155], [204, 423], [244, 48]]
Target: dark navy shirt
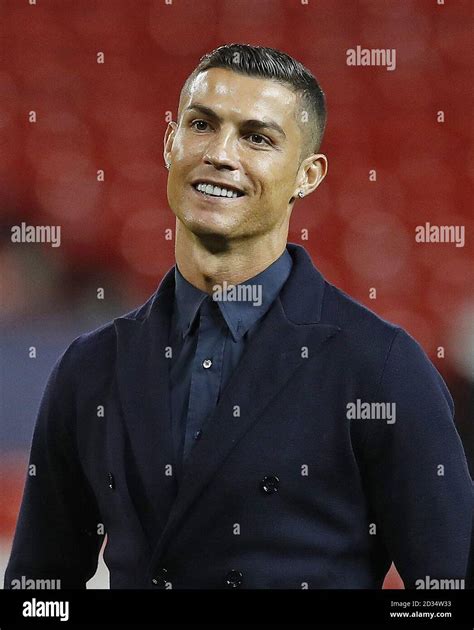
[[208, 335]]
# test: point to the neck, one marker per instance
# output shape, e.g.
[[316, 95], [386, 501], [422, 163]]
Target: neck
[[205, 262]]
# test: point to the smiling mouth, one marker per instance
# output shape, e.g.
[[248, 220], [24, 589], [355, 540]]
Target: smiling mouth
[[217, 192]]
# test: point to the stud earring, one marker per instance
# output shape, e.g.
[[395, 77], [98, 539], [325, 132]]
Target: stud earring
[[301, 194], [168, 165]]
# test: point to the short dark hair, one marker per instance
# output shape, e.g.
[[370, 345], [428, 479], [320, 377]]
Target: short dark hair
[[269, 63]]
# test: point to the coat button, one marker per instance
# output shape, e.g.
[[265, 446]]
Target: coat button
[[160, 578], [111, 480], [234, 578], [269, 484]]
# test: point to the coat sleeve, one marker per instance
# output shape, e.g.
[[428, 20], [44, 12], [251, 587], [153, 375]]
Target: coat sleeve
[[417, 476], [56, 533]]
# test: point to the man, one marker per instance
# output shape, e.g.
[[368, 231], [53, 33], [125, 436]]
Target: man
[[250, 425]]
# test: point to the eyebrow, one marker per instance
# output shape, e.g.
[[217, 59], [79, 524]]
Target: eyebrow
[[252, 122]]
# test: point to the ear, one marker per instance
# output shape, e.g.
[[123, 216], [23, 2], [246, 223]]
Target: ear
[[313, 170], [168, 140]]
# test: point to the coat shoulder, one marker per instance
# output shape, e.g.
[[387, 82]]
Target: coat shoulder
[[367, 337], [354, 317], [96, 349]]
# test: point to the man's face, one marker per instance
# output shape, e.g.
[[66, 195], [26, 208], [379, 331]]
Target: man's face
[[241, 132]]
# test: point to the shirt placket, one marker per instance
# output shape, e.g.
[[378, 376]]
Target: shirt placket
[[206, 372]]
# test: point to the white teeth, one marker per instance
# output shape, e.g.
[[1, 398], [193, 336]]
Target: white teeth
[[216, 191]]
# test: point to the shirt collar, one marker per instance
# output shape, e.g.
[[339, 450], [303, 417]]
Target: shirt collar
[[241, 305]]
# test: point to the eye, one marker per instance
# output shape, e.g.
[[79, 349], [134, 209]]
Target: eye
[[252, 136], [199, 122]]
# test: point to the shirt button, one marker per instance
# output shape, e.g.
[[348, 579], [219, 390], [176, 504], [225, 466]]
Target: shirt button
[[111, 480], [269, 484], [206, 363], [197, 434], [234, 578], [160, 578]]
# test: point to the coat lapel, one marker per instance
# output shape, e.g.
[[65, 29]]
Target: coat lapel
[[143, 389], [268, 362]]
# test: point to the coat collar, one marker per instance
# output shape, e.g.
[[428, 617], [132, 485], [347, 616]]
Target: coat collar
[[300, 305], [293, 321], [239, 315]]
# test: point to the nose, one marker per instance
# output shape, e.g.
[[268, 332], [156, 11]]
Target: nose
[[221, 151]]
